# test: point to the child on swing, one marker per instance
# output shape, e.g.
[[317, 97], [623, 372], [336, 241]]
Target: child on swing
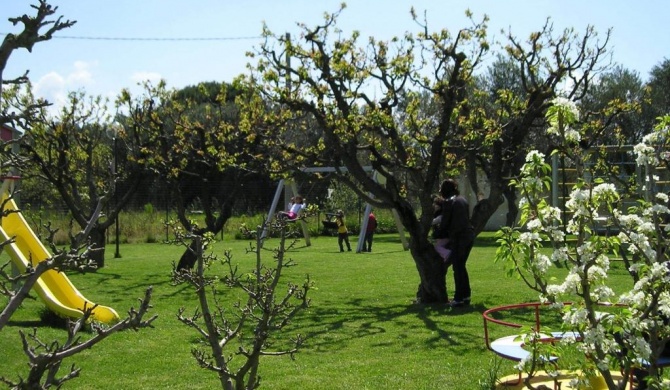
[[296, 204]]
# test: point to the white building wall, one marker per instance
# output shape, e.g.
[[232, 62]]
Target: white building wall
[[498, 218]]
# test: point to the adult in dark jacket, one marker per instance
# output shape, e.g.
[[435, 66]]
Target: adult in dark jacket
[[456, 225]]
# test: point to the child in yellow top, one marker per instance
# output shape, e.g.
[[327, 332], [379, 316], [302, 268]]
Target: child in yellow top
[[342, 232]]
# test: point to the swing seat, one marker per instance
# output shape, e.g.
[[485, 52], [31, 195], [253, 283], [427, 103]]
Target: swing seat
[[288, 217]]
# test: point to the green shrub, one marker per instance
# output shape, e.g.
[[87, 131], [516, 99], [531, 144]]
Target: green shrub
[[149, 226]]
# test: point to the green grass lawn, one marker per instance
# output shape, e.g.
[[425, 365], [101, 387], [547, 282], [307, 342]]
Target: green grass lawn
[[363, 332]]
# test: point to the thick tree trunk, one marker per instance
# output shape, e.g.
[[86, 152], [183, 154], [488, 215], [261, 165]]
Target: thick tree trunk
[[432, 287], [512, 208], [189, 257], [214, 223], [432, 271], [97, 237]]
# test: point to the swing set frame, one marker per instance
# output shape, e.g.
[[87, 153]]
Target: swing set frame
[[305, 231]]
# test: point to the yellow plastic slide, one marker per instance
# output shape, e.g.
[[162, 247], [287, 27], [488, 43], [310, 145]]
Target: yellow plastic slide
[[54, 288]]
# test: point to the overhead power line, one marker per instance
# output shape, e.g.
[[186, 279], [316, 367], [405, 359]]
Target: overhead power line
[[149, 39]]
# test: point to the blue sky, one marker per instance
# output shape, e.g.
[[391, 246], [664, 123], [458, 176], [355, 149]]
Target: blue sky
[[640, 36]]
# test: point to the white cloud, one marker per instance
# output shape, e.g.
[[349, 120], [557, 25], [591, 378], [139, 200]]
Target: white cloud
[[55, 87], [81, 76], [52, 87]]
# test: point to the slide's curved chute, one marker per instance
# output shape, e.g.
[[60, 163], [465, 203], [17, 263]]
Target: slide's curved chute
[[53, 287]]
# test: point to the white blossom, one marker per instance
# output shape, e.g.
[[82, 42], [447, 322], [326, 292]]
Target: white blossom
[[596, 274], [534, 156], [664, 304], [572, 135], [557, 235], [572, 282], [602, 294], [529, 238], [603, 261], [542, 263], [550, 214], [575, 316], [534, 224], [659, 271], [646, 227], [632, 297], [572, 227], [627, 221], [555, 290], [560, 255], [640, 346], [605, 189], [661, 209], [567, 105], [587, 252], [645, 154]]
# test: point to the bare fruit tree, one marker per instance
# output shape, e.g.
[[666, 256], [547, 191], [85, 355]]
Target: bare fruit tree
[[256, 319]]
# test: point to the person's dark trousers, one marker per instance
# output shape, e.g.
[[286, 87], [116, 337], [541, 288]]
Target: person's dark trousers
[[368, 242], [459, 258], [343, 238]]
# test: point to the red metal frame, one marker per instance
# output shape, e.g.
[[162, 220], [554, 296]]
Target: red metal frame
[[486, 315], [487, 318]]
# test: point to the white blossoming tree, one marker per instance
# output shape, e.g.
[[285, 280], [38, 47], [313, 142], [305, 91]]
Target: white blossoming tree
[[628, 339]]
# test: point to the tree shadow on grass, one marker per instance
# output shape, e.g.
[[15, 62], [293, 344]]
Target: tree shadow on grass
[[331, 329], [150, 279], [441, 319], [28, 324]]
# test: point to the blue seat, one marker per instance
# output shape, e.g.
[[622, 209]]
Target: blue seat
[[512, 347]]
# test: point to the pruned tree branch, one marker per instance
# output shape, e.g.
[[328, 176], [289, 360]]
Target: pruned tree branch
[[44, 359], [251, 323], [32, 31]]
